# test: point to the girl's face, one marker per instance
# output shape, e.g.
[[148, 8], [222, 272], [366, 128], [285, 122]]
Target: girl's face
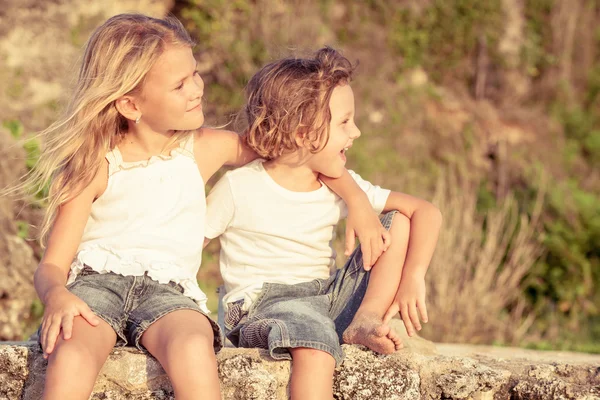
[[331, 160], [171, 98]]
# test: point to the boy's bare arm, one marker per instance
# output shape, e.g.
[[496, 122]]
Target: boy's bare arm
[[425, 224], [362, 221]]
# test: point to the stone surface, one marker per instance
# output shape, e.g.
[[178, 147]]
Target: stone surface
[[421, 370]]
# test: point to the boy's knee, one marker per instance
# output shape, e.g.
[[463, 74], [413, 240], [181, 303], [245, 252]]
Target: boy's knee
[[400, 223]]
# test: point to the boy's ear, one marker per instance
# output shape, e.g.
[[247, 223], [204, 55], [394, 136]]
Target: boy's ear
[[301, 140], [127, 107]]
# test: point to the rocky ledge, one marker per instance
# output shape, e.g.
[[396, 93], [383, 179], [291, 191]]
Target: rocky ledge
[[420, 371]]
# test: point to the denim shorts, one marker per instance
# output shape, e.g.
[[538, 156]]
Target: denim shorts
[[311, 314], [130, 304]]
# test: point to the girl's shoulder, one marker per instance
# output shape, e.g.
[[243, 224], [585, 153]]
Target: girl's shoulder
[[218, 144], [100, 181], [212, 136]]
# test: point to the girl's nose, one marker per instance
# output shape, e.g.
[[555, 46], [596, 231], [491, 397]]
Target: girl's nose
[[198, 87], [355, 133]]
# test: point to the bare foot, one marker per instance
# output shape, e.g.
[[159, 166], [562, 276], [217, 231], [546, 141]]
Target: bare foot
[[394, 337], [369, 330]]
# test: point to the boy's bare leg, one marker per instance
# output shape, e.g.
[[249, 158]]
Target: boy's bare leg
[[74, 364], [367, 327], [182, 341], [312, 374]]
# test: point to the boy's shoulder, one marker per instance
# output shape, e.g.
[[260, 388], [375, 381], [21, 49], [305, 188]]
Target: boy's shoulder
[[250, 171]]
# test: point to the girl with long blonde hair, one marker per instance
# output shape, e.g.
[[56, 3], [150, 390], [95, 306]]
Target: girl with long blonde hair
[[126, 168]]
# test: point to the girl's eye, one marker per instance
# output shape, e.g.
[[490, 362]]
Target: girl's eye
[[179, 87], [345, 121]]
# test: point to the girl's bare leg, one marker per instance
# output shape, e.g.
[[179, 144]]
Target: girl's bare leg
[[182, 341], [74, 364], [312, 374]]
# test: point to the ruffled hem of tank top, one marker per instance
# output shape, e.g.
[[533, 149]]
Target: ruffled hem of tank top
[[116, 162], [103, 259]]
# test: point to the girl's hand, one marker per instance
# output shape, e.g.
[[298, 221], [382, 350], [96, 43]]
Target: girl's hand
[[409, 299], [61, 308], [374, 238]]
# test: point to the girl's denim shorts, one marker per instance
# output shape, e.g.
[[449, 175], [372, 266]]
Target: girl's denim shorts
[[312, 314], [130, 304]]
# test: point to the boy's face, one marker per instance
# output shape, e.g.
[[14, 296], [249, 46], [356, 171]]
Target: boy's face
[[331, 160]]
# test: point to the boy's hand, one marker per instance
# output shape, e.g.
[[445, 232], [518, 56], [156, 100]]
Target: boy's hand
[[61, 308], [410, 302], [374, 238]]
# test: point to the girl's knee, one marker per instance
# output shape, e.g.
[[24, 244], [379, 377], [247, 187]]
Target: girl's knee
[[192, 343], [74, 354]]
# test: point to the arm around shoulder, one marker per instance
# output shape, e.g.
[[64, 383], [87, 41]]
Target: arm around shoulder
[[215, 148]]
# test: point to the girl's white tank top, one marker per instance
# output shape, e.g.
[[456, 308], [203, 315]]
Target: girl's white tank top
[[149, 220]]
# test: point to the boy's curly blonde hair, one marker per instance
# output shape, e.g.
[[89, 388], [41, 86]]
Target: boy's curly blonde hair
[[290, 97]]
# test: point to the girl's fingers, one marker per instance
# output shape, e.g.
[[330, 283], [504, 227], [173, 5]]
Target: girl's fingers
[[67, 326], [53, 332], [44, 334], [89, 315]]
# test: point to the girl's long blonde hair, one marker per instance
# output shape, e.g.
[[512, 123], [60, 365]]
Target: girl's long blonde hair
[[117, 58]]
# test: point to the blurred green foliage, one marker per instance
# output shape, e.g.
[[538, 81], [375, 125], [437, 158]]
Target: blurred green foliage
[[445, 34]]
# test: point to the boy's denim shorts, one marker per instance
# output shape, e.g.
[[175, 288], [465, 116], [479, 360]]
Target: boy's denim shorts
[[130, 304], [311, 314]]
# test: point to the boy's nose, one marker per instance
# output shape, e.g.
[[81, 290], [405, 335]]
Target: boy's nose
[[356, 134]]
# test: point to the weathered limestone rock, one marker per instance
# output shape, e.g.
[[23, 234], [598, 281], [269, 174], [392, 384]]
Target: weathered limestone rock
[[420, 371]]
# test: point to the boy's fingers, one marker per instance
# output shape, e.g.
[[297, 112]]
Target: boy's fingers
[[414, 316], [387, 239], [406, 319], [350, 241], [422, 310], [366, 253], [374, 251]]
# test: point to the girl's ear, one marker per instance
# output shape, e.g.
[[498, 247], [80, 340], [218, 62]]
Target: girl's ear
[[127, 107]]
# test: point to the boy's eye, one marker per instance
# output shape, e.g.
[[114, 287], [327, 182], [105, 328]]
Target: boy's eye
[[179, 87], [345, 121]]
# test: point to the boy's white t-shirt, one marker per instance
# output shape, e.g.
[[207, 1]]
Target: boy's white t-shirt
[[271, 234]]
